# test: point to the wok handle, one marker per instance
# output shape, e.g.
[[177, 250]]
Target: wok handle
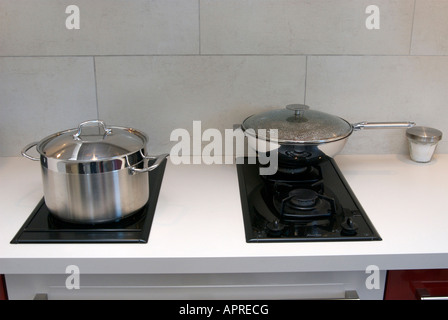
[[159, 160], [382, 125], [28, 147]]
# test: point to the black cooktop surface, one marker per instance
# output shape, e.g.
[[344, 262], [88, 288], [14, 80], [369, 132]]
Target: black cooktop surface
[[43, 227], [314, 205]]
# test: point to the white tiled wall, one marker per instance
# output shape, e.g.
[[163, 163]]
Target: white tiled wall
[[430, 28], [107, 27], [43, 95], [159, 94], [380, 88], [157, 65], [304, 27]]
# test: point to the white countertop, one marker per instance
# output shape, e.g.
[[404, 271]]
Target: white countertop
[[198, 224]]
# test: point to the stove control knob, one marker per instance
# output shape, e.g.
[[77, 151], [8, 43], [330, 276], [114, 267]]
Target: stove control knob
[[349, 227], [275, 228]]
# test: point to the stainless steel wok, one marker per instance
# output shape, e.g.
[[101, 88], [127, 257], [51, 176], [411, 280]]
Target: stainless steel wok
[[304, 136]]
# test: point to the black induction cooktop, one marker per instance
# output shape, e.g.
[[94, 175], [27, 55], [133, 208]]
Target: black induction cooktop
[[43, 227], [305, 204]]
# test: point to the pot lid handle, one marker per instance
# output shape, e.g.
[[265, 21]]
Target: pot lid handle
[[297, 108], [92, 122]]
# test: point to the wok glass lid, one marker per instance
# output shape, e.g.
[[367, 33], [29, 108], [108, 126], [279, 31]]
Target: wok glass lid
[[92, 141], [297, 124]]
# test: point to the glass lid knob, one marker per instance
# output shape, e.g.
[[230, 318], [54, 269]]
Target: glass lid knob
[[297, 108]]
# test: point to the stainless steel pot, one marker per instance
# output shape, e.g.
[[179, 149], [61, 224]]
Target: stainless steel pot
[[304, 136], [94, 173]]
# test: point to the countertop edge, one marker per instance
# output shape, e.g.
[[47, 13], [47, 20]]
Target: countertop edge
[[213, 265]]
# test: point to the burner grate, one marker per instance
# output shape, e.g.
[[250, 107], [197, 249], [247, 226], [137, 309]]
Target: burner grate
[[318, 206]]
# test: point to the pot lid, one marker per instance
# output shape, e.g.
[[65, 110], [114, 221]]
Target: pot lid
[[297, 124], [424, 134], [92, 141]]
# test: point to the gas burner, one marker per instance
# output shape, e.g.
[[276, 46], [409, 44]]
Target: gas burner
[[294, 170], [303, 199], [311, 203], [302, 205], [309, 175]]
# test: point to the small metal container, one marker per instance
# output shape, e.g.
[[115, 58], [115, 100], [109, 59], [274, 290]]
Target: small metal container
[[422, 142]]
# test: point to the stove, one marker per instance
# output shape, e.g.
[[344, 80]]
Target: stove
[[311, 203], [43, 227]]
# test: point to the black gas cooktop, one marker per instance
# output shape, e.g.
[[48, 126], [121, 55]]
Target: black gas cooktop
[[43, 227], [312, 203]]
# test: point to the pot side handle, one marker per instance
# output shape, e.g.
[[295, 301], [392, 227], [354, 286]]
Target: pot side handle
[[382, 125], [159, 160], [28, 147]]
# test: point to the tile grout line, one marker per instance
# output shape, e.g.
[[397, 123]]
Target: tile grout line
[[96, 88], [412, 28], [306, 78], [230, 55], [199, 26]]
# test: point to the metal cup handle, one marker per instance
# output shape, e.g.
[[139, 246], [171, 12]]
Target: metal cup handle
[[159, 160], [28, 147]]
